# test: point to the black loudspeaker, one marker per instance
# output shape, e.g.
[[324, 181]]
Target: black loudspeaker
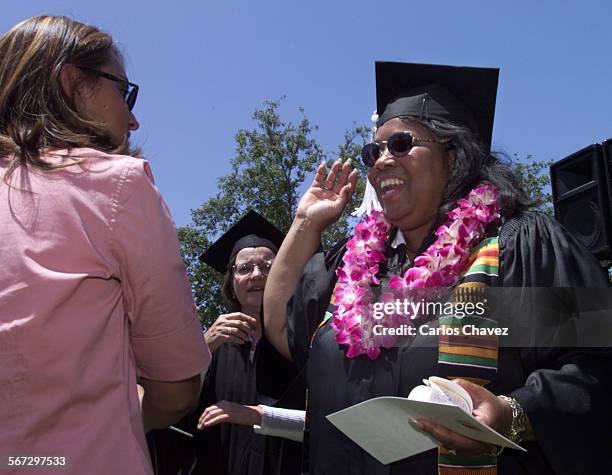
[[581, 191], [607, 157]]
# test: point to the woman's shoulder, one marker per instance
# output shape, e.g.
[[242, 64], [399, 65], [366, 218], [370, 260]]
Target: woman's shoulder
[[97, 180], [526, 222], [539, 250], [537, 229], [98, 170], [89, 159]]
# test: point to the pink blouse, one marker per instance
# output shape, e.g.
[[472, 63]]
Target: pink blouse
[[93, 293]]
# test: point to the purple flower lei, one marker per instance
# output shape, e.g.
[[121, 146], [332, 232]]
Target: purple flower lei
[[439, 266]]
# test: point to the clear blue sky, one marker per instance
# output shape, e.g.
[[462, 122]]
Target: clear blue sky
[[203, 68]]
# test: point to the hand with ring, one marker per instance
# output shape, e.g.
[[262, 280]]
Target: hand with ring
[[237, 328], [488, 409]]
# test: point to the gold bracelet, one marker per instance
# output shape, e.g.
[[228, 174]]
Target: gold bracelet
[[518, 426]]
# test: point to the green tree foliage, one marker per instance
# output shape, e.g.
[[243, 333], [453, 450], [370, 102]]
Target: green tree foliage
[[535, 178], [270, 165]]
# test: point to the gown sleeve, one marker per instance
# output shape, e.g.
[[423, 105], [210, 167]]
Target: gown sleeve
[[567, 390], [306, 309], [208, 450]]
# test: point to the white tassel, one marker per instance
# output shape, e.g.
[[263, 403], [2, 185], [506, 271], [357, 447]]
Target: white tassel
[[374, 119], [370, 200]]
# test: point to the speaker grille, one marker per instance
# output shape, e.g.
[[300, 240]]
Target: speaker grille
[[582, 216], [581, 194]]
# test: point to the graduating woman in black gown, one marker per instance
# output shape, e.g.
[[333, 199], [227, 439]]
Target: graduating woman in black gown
[[431, 150], [235, 385]]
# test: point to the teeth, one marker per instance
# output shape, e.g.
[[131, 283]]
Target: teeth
[[387, 182]]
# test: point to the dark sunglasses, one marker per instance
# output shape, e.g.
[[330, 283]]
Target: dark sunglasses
[[398, 145], [131, 90], [248, 267]]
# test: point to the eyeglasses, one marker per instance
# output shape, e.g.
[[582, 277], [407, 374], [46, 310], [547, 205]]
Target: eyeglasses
[[248, 267], [130, 90], [398, 145]]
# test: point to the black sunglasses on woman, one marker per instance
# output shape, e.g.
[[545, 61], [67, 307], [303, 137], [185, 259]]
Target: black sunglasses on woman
[[131, 90], [398, 145]]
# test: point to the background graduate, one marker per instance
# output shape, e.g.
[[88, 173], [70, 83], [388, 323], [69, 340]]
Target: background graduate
[[245, 370]]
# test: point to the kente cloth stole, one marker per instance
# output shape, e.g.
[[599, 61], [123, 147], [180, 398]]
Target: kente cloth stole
[[471, 357]]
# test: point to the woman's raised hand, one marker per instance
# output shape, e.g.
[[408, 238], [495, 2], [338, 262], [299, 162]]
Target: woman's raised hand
[[328, 195]]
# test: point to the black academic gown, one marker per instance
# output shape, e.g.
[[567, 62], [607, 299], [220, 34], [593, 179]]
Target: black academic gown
[[231, 449], [564, 391]]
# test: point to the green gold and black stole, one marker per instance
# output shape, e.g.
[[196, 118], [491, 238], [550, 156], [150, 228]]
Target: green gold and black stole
[[471, 357]]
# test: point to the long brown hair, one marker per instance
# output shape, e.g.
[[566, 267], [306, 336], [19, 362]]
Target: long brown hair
[[35, 113]]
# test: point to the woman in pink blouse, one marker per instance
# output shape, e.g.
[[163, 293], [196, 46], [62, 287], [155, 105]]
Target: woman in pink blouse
[[93, 292]]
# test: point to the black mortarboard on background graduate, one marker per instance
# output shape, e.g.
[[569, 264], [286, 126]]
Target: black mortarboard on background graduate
[[252, 230], [460, 95]]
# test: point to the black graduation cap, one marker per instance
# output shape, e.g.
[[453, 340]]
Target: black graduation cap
[[460, 95], [252, 230]]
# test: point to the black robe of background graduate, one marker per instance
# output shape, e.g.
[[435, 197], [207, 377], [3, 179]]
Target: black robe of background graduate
[[236, 449], [232, 448]]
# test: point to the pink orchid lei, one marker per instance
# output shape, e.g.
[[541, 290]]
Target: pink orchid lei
[[440, 266]]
